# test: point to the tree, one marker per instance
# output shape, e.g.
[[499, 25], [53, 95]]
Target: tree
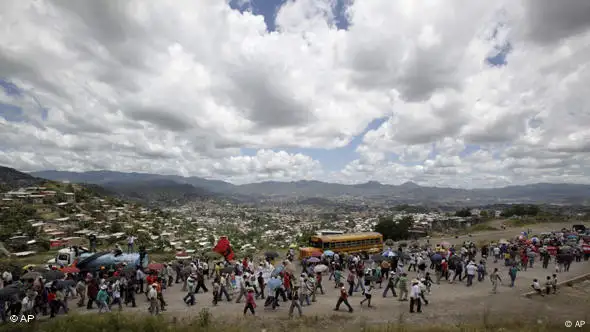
[[463, 213], [116, 227], [484, 214], [521, 211], [394, 229]]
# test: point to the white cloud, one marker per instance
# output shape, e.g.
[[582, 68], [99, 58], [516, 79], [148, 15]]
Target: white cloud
[[180, 87]]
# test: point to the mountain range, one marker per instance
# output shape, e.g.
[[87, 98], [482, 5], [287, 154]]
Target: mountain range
[[171, 187]]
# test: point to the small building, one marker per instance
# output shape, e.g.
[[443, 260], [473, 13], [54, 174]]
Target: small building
[[70, 197]]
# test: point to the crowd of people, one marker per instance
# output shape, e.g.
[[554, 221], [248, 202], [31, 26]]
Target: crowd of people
[[294, 284]]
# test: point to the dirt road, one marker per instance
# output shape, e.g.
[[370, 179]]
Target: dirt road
[[449, 303]]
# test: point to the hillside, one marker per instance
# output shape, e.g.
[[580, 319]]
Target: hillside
[[406, 193], [158, 192], [12, 179]]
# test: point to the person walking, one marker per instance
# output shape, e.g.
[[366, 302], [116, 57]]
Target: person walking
[[250, 302], [368, 295], [391, 280], [295, 303], [403, 287], [415, 299], [513, 271], [494, 278], [343, 298]]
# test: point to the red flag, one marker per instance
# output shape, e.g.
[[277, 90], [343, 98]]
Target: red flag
[[224, 248]]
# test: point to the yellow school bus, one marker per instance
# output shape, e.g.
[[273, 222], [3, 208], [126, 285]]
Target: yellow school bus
[[369, 242]]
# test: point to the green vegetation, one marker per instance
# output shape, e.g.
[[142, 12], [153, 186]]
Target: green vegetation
[[521, 211], [482, 228], [204, 322], [463, 213], [14, 220], [411, 208], [522, 222], [394, 229]]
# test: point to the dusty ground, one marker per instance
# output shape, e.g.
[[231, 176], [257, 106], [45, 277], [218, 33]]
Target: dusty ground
[[449, 303]]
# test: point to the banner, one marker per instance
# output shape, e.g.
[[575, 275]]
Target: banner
[[224, 248]]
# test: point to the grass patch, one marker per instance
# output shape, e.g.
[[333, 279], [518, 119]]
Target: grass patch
[[49, 216], [482, 228], [204, 322], [521, 222]]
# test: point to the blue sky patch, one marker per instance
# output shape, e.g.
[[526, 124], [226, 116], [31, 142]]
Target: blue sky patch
[[10, 88], [269, 8]]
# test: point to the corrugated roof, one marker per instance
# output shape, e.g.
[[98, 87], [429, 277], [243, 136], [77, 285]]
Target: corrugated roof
[[348, 236]]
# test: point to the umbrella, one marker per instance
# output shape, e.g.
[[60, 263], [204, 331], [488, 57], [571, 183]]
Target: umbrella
[[29, 266], [155, 266], [390, 254], [274, 284], [30, 275], [228, 269], [53, 275], [436, 258], [290, 267], [66, 283], [271, 254], [313, 260], [316, 254], [328, 253], [70, 269], [277, 270], [377, 258], [9, 291], [293, 246], [320, 268]]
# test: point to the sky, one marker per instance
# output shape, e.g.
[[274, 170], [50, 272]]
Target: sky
[[452, 93]]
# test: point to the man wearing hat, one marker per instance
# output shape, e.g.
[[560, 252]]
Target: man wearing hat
[[415, 299]]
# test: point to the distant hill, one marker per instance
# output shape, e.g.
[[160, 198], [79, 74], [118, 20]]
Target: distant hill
[[158, 192], [11, 179], [409, 192]]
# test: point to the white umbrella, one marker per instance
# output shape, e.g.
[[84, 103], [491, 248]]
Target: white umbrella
[[320, 268]]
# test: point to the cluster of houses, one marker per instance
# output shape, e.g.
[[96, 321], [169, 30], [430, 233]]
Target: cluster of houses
[[66, 220]]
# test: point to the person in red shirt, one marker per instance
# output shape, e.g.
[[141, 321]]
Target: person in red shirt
[[343, 298], [444, 267], [250, 302], [53, 303], [287, 284]]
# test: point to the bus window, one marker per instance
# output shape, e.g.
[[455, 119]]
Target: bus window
[[332, 246], [315, 244], [326, 245]]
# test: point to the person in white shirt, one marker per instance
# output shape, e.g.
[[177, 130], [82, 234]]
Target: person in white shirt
[[471, 271], [130, 241], [537, 287], [368, 290], [415, 299], [7, 278], [152, 295]]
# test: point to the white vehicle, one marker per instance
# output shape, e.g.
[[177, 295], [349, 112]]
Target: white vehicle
[[67, 256]]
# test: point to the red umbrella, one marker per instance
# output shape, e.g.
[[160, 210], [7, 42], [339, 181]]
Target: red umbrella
[[155, 266], [70, 269], [316, 254]]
